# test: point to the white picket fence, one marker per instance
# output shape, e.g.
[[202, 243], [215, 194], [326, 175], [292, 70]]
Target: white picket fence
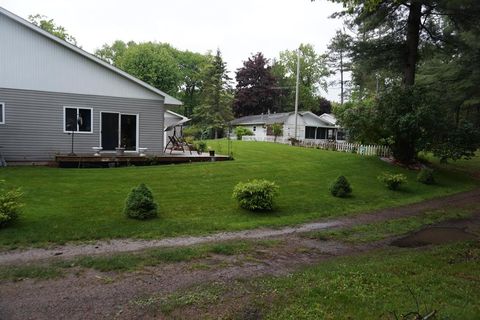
[[341, 146], [266, 139]]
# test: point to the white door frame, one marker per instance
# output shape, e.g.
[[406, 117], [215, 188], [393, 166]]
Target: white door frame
[[137, 137]]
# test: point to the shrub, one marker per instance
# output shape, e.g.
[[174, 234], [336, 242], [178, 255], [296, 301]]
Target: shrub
[[193, 132], [341, 187], [201, 146], [10, 204], [255, 195], [277, 130], [242, 131], [392, 181], [425, 176], [139, 204]]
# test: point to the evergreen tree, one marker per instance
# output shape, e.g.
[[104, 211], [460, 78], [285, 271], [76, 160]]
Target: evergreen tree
[[255, 92], [338, 58], [397, 44], [216, 98]]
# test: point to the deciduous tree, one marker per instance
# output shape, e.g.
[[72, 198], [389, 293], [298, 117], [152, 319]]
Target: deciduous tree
[[255, 92], [49, 25], [313, 73]]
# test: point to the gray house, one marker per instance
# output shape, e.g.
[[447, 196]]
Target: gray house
[[50, 89]]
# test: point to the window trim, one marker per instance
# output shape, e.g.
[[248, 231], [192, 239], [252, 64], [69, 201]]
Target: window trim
[[78, 108], [3, 112]]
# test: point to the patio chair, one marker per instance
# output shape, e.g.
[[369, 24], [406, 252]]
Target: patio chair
[[174, 144]]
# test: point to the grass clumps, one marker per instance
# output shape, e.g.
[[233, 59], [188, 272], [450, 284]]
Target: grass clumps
[[392, 181], [341, 187], [425, 176], [10, 204], [255, 195], [140, 204]]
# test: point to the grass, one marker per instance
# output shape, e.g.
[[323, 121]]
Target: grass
[[201, 296], [64, 205], [125, 262], [383, 229], [370, 286], [16, 273], [470, 166]]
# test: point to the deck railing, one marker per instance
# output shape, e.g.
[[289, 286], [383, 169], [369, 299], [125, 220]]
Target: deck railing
[[341, 146]]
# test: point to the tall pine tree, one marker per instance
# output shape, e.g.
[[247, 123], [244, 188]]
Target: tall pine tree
[[338, 58], [216, 98]]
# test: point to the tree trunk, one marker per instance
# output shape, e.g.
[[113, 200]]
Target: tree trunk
[[413, 37], [341, 77]]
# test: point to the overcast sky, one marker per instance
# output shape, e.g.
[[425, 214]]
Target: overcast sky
[[238, 27]]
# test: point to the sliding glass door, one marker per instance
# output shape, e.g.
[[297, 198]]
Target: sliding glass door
[[128, 132], [119, 130]]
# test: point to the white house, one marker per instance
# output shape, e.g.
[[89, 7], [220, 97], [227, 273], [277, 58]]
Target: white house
[[309, 126]]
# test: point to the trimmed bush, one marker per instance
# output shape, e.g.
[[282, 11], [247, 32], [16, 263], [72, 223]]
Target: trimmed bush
[[194, 132], [425, 176], [341, 187], [10, 204], [201, 146], [255, 195], [392, 181], [139, 204], [242, 131]]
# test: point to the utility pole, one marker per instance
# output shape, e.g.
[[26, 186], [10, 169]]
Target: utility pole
[[296, 92]]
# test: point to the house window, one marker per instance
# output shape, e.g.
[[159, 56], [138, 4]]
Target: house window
[[77, 120], [310, 132], [330, 134], [2, 113], [340, 135], [254, 128], [321, 133]]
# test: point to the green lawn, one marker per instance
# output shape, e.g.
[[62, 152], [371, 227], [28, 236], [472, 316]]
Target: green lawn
[[85, 204]]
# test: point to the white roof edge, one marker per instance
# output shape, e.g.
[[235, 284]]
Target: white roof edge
[[184, 119], [329, 118], [168, 100]]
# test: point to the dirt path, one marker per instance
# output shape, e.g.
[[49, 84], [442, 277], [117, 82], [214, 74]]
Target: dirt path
[[129, 245], [138, 295]]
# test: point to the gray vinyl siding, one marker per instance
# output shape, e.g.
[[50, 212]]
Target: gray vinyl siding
[[31, 61], [34, 123]]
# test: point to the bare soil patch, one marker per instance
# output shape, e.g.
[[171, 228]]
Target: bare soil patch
[[433, 235]]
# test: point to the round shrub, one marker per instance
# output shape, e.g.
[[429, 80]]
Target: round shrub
[[139, 204], [341, 187], [201, 146], [10, 204], [255, 195], [425, 176], [392, 181], [242, 131]]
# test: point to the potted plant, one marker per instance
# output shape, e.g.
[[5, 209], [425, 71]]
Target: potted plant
[[211, 152]]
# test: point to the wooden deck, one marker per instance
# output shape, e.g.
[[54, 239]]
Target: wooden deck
[[113, 160]]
